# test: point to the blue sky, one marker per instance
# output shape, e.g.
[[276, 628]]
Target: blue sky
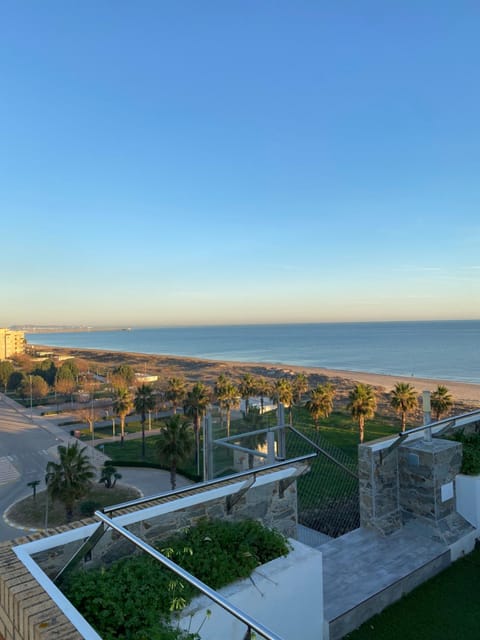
[[192, 162]]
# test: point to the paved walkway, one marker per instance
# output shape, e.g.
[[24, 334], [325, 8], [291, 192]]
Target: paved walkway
[[27, 443]]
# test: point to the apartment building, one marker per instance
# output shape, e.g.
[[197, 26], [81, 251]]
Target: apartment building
[[11, 342]]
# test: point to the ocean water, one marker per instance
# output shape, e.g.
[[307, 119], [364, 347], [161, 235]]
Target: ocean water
[[443, 350]]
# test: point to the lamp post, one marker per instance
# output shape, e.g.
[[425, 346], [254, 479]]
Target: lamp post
[[31, 399]]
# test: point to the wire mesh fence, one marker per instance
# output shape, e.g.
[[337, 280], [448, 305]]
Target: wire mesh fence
[[327, 494]]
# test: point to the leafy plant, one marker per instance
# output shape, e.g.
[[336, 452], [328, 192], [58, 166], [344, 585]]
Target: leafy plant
[[471, 452], [134, 598]]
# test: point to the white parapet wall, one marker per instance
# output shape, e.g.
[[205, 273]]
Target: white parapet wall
[[468, 498], [285, 595]]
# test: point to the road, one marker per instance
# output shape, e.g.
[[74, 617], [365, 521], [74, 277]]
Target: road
[[28, 443], [25, 449]]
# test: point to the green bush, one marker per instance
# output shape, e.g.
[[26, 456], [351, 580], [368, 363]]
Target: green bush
[[88, 507], [133, 599], [471, 452]]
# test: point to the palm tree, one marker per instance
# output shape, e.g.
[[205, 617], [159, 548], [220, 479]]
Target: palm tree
[[70, 478], [228, 396], [175, 443], [283, 392], [122, 406], [144, 402], [176, 392], [404, 399], [195, 406], [320, 404], [264, 389], [247, 389], [109, 475], [441, 401], [300, 387], [362, 405]]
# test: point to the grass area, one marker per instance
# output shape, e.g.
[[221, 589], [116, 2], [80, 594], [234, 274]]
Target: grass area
[[131, 452], [445, 607], [325, 482], [106, 431], [31, 513]]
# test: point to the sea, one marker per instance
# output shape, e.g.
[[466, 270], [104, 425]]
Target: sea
[[448, 350]]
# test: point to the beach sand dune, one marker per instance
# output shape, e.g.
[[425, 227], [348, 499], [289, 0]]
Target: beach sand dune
[[466, 395]]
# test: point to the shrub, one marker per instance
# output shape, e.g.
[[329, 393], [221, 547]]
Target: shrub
[[471, 452], [88, 507], [134, 597]]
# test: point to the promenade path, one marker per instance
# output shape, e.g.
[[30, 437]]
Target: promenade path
[[28, 442]]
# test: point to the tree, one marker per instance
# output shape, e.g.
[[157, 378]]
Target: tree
[[228, 396], [195, 406], [320, 404], [300, 387], [264, 389], [123, 376], [109, 475], [89, 416], [65, 384], [122, 406], [16, 381], [34, 385], [176, 392], [6, 370], [175, 443], [362, 405], [71, 477], [283, 392], [404, 399], [47, 370], [69, 369], [144, 402], [441, 401], [247, 388]]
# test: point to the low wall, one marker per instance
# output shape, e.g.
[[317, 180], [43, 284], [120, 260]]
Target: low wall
[[268, 596]]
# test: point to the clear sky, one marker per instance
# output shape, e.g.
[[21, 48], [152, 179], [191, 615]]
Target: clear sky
[[196, 162]]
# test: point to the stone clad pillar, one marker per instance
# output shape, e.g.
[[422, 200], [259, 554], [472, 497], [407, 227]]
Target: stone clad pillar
[[427, 473], [379, 490]]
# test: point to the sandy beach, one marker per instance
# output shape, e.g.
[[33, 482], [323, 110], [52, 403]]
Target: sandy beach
[[466, 395]]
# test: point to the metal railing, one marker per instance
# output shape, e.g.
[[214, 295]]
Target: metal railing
[[251, 623], [440, 425], [204, 485]]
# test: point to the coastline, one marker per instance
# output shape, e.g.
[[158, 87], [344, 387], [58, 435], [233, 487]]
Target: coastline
[[194, 369]]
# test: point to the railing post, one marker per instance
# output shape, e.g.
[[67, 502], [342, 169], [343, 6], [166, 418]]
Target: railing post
[[282, 445], [427, 418]]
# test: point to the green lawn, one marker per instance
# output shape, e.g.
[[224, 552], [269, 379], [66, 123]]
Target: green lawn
[[444, 608]]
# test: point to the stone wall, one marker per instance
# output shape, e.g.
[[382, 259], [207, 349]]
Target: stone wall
[[26, 611], [379, 489], [427, 472], [267, 503], [414, 480]]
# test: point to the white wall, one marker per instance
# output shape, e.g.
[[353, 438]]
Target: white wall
[[285, 595], [468, 498]]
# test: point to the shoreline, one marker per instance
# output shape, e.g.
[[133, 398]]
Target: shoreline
[[166, 365]]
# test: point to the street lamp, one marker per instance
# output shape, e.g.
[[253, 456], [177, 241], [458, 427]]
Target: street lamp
[[31, 399]]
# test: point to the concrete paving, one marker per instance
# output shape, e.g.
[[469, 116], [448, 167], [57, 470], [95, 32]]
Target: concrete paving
[[28, 441], [363, 572]]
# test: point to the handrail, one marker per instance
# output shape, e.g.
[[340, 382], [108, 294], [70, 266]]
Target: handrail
[[445, 421], [201, 586], [208, 483]]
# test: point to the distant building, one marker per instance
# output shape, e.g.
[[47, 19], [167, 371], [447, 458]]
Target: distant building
[[11, 342], [144, 378]]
